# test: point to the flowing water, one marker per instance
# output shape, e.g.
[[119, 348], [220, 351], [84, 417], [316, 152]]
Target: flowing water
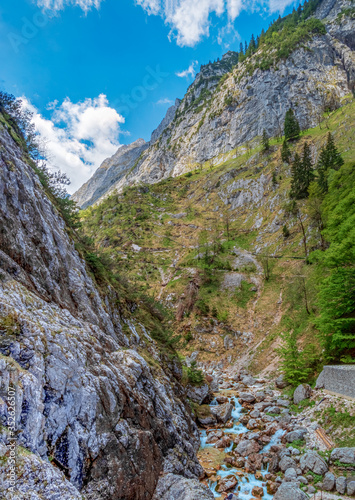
[[246, 482]]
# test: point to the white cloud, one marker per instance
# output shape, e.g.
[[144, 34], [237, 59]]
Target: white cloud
[[190, 71], [165, 100], [190, 20], [60, 4], [79, 136]]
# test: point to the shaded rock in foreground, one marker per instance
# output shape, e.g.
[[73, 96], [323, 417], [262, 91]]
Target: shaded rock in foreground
[[173, 487]]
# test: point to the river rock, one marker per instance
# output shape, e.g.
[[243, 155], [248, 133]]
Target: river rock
[[257, 491], [350, 486], [290, 474], [303, 391], [246, 397], [313, 462], [295, 435], [280, 382], [290, 491], [174, 487], [248, 380], [344, 455], [286, 463], [222, 412], [340, 484], [227, 483], [247, 447], [328, 481]]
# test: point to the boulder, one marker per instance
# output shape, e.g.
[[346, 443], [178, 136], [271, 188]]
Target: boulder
[[198, 394], [257, 491], [222, 412], [247, 447], [283, 402], [328, 482], [340, 485], [246, 397], [290, 491], [255, 414], [286, 463], [204, 416], [350, 486], [344, 455], [227, 483], [313, 462], [174, 487], [303, 391], [248, 380], [273, 409], [295, 435], [290, 475], [280, 382]]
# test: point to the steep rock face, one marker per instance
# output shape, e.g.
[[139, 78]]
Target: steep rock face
[[218, 116], [87, 400], [168, 118], [109, 173]]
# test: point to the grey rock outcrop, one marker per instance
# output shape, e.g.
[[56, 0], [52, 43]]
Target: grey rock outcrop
[[110, 173], [168, 118]]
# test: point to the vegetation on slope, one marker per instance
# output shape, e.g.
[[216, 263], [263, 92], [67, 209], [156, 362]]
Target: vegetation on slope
[[221, 267]]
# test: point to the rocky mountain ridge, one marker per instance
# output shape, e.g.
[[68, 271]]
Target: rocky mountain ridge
[[218, 115]]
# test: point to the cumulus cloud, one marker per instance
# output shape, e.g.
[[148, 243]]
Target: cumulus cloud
[[79, 136], [190, 20], [60, 4], [190, 71]]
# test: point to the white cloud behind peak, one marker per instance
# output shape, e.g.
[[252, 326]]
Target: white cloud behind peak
[[189, 72], [79, 136], [190, 20]]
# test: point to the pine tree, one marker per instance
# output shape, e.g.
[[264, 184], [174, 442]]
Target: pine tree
[[265, 142], [302, 174], [307, 173], [285, 152], [296, 173], [291, 127], [329, 158], [241, 49], [245, 47], [252, 44]]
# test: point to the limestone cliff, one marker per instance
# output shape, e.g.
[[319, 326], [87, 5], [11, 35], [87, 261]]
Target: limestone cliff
[[99, 409]]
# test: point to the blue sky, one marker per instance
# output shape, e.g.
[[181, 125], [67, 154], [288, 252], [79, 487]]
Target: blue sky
[[114, 64]]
